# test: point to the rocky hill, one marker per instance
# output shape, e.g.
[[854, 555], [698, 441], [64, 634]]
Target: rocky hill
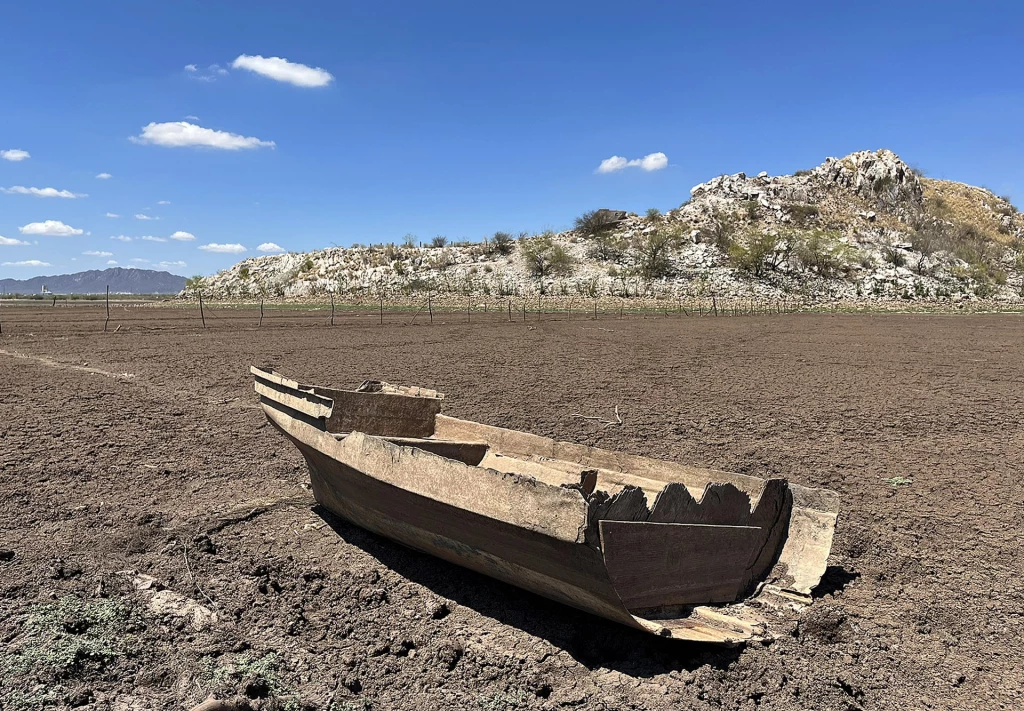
[[862, 227], [121, 280]]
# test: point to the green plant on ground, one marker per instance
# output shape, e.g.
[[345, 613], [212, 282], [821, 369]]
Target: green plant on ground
[[802, 213], [653, 213], [720, 230], [652, 253], [439, 241], [823, 253], [894, 256], [502, 243], [594, 222], [751, 208], [544, 257], [409, 241], [194, 285], [758, 253], [898, 481]]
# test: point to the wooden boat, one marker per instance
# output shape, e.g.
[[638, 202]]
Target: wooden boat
[[678, 551]]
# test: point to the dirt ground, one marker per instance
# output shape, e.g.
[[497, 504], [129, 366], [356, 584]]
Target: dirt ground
[[143, 453]]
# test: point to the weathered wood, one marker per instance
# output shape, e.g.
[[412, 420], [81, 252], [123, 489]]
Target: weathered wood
[[655, 565]]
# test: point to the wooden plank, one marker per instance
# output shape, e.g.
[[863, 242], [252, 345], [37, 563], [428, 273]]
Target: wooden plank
[[382, 414], [306, 403], [654, 565]]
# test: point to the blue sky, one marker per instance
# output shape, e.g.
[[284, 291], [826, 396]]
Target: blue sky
[[462, 118]]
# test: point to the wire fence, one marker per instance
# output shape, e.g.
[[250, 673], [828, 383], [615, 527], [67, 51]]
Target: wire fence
[[107, 315]]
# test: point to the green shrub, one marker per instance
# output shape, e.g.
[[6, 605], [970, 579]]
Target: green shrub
[[652, 253], [502, 243], [894, 256], [194, 285], [594, 222], [758, 253], [823, 253], [720, 230], [545, 257], [439, 241], [802, 213], [751, 208], [653, 213], [409, 241]]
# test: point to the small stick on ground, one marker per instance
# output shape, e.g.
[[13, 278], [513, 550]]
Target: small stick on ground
[[617, 422], [192, 577]]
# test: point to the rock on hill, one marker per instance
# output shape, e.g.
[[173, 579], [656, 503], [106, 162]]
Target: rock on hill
[[864, 227], [120, 281]]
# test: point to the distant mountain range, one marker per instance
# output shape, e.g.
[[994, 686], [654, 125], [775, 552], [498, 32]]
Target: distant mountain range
[[120, 281]]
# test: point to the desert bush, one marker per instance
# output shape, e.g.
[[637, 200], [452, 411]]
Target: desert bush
[[751, 208], [243, 273], [802, 213], [652, 253], [409, 241], [653, 213], [593, 222], [606, 247], [720, 230], [894, 256], [802, 173], [544, 257], [502, 243], [758, 253], [823, 253], [195, 284], [439, 241]]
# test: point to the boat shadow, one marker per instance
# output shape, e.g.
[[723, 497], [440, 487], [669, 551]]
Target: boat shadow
[[592, 641]]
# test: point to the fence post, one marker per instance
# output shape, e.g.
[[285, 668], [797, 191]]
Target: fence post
[[382, 309], [595, 308], [468, 301], [202, 314], [430, 309], [332, 309], [510, 309], [261, 314], [108, 310], [714, 304], [524, 309]]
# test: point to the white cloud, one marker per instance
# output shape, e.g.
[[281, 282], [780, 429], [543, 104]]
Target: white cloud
[[270, 247], [111, 262], [139, 260], [150, 238], [14, 154], [163, 202], [183, 236], [172, 265], [222, 248], [209, 73], [11, 242], [178, 134], [651, 161], [27, 263], [94, 253], [122, 238], [190, 67], [104, 176], [610, 165], [280, 69], [111, 214], [52, 228], [140, 216], [42, 192], [191, 117]]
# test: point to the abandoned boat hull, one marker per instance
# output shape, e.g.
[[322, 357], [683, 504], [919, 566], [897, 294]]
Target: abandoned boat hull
[[463, 498]]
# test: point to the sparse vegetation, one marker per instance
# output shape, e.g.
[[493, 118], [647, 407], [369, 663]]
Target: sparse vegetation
[[544, 257], [653, 213], [823, 253], [594, 222], [652, 253], [758, 253], [439, 241], [502, 243]]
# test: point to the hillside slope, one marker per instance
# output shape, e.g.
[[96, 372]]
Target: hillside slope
[[121, 280], [861, 227]]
